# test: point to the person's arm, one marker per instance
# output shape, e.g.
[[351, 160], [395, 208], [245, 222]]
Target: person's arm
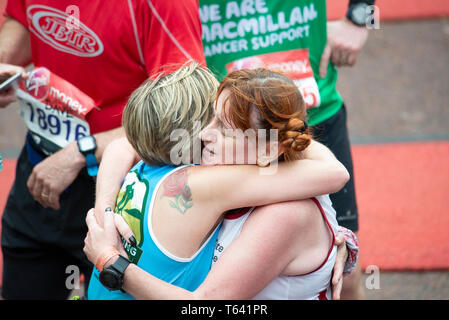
[[345, 40], [55, 173], [220, 188], [137, 280], [236, 186], [260, 239], [269, 256], [118, 158], [15, 46], [15, 53], [7, 70]]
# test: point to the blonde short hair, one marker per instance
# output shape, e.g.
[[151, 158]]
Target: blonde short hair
[[164, 104]]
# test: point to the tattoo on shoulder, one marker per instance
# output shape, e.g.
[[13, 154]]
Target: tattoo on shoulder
[[177, 188]]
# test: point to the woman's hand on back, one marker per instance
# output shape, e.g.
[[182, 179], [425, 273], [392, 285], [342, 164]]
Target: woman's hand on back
[[337, 275]]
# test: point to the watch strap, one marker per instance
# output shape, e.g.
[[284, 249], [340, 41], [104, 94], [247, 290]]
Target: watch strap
[[121, 264], [91, 164], [105, 256]]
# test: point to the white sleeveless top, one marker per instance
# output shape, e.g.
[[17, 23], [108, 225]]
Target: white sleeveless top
[[315, 285]]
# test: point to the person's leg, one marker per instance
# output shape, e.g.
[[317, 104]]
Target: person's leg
[[41, 272], [74, 226], [30, 268], [34, 274], [41, 243], [334, 134]]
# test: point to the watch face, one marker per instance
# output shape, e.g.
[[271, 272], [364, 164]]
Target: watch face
[[86, 143], [110, 279], [359, 14]]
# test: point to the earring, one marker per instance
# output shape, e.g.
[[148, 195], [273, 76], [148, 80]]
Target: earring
[[262, 163]]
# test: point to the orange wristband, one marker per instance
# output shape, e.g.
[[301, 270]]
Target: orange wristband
[[105, 256]]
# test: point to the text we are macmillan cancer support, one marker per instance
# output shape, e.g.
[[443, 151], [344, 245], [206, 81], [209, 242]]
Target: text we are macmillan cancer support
[[268, 30]]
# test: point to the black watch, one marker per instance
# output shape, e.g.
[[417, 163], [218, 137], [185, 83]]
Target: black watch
[[87, 146], [112, 277], [357, 14]]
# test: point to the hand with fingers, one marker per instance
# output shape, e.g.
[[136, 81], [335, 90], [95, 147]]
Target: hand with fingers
[[347, 255], [53, 175], [100, 239], [124, 230], [7, 70], [337, 275], [345, 40]]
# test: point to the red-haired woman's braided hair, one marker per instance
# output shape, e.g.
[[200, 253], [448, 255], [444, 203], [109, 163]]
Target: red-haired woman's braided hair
[[295, 135], [278, 105]]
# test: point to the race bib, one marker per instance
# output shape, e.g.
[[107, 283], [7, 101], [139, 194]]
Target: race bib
[[293, 63], [53, 109]]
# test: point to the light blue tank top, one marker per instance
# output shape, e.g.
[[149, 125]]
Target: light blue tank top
[[135, 203]]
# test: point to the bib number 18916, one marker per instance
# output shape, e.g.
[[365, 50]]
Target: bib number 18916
[[57, 126], [54, 125]]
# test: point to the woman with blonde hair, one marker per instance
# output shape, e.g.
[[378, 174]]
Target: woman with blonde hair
[[176, 212]]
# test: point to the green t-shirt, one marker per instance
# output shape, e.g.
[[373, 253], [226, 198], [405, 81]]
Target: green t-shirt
[[283, 35]]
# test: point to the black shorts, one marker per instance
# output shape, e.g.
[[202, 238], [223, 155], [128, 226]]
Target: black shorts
[[333, 133], [48, 273], [39, 245]]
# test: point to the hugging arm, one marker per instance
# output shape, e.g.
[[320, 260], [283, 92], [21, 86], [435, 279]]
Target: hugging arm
[[236, 186], [220, 283], [259, 244], [259, 252], [255, 258], [227, 187], [118, 158]]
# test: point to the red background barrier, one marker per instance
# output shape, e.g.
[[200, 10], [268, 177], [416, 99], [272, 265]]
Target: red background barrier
[[395, 9], [388, 9]]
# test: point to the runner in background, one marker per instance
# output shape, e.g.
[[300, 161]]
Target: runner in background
[[295, 37], [106, 49]]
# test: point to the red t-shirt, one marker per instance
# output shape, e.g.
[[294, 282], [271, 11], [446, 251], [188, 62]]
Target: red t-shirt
[[113, 46]]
